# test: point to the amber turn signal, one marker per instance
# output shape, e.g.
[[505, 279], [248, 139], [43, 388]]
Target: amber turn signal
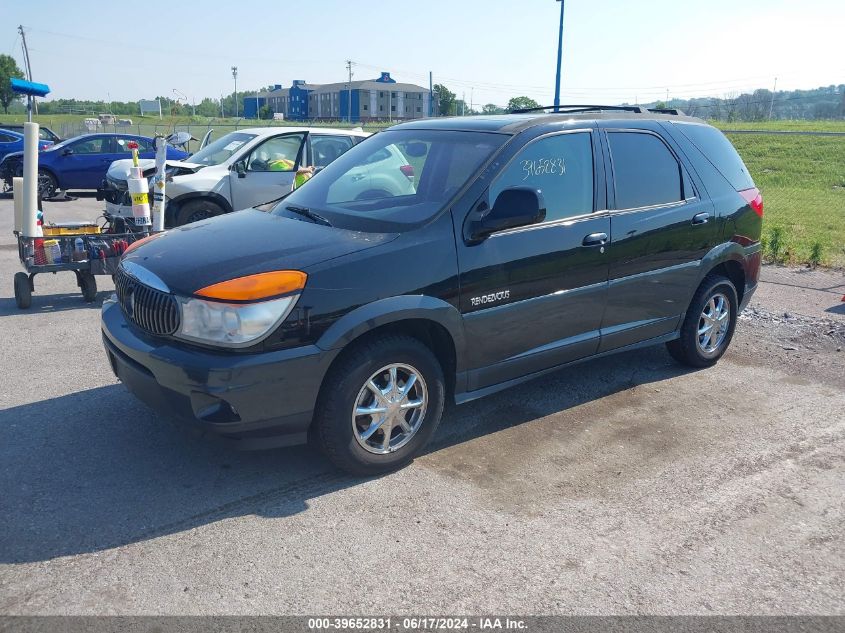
[[259, 286]]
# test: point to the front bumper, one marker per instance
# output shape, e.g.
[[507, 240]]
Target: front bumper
[[261, 400]]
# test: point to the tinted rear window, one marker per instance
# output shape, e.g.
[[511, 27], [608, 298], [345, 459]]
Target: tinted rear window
[[719, 151], [645, 172]]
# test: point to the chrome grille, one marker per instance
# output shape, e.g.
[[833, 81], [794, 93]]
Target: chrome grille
[[150, 309]]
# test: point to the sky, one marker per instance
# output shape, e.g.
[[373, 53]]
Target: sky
[[486, 51]]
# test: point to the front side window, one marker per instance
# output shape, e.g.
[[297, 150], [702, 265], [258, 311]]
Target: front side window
[[560, 167], [645, 172], [276, 154], [96, 145], [397, 177]]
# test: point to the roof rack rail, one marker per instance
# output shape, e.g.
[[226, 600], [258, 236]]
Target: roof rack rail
[[674, 111], [578, 108]]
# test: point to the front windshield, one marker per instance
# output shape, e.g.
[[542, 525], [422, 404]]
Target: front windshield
[[397, 176], [220, 150]]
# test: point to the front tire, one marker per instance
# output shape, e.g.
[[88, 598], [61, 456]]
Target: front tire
[[380, 405], [88, 286], [709, 324], [197, 210]]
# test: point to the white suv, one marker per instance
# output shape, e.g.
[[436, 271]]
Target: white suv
[[247, 168]]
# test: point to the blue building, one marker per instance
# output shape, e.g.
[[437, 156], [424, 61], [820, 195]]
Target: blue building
[[381, 99]]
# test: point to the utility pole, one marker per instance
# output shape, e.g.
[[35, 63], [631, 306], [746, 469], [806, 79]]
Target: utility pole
[[222, 115], [772, 102], [30, 100], [235, 76], [349, 90], [430, 94], [470, 99], [559, 57], [463, 103]]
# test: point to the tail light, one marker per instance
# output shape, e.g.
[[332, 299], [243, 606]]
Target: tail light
[[408, 170], [754, 199]]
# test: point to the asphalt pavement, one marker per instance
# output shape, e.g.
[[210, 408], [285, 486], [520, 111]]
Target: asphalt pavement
[[623, 485]]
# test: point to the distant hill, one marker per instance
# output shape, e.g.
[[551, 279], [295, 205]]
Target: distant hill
[[819, 103]]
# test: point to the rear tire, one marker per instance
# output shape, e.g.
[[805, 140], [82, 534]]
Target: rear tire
[[23, 291], [410, 408], [709, 324], [48, 186], [197, 210]]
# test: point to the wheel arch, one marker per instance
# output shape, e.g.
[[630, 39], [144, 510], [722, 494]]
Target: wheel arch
[[433, 322], [727, 260], [176, 204]]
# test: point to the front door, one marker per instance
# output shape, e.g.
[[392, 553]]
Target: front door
[[533, 297], [268, 171], [86, 164], [661, 228]]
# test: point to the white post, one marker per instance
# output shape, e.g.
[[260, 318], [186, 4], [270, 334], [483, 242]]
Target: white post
[[30, 179], [159, 184], [17, 192]]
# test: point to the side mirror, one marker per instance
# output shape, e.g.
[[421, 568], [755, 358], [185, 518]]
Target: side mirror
[[240, 169], [67, 151], [515, 207]]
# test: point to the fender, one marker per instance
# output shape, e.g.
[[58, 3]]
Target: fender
[[390, 310], [175, 204]]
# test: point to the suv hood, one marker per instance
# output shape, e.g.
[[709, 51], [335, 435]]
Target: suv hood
[[119, 169], [247, 242]]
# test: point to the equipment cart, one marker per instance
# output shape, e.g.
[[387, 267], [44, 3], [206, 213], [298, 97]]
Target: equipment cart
[[85, 249]]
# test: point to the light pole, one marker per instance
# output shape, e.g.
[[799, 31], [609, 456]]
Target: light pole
[[559, 56], [235, 77]]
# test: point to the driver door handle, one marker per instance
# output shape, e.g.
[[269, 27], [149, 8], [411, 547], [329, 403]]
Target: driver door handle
[[595, 239], [700, 218]]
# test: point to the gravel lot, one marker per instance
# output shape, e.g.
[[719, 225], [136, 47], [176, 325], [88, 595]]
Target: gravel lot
[[623, 485]]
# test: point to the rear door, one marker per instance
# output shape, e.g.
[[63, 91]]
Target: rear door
[[661, 226], [533, 297], [269, 170], [325, 148]]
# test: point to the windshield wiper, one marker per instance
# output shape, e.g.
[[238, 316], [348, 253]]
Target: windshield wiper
[[308, 213]]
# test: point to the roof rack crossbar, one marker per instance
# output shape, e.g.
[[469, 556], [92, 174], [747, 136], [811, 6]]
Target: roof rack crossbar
[[578, 108], [674, 111]]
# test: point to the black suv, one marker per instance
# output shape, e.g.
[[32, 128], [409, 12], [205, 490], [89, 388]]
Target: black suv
[[349, 315]]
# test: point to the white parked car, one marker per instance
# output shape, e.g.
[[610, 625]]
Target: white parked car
[[250, 167]]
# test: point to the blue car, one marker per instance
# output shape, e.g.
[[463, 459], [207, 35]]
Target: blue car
[[11, 141], [81, 162]]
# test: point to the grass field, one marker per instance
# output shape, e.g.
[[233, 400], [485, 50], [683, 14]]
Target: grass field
[[802, 177], [803, 183]]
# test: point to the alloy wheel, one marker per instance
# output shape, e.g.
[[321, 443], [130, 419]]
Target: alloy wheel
[[389, 409], [713, 324]]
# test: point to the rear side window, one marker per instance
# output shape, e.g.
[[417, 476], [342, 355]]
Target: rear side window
[[719, 151], [645, 172], [561, 167]]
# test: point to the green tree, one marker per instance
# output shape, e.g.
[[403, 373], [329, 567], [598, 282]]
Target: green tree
[[447, 100], [266, 112], [522, 103], [8, 69], [492, 108]]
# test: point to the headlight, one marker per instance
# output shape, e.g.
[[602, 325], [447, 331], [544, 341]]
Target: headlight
[[231, 324]]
